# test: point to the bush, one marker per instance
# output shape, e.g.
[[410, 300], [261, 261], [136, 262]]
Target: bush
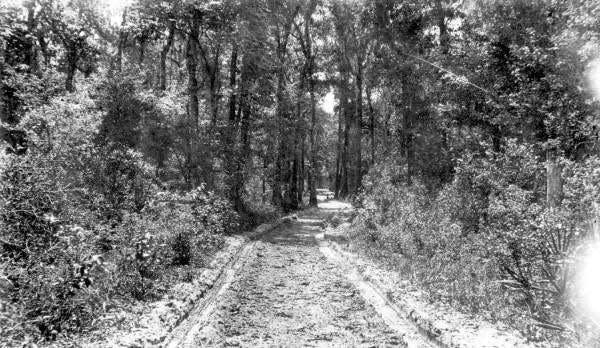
[[142, 257], [172, 229], [182, 249], [30, 197], [256, 213], [47, 261], [120, 180], [486, 238], [214, 213], [82, 226]]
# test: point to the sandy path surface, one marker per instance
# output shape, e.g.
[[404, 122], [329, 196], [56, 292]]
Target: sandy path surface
[[289, 294]]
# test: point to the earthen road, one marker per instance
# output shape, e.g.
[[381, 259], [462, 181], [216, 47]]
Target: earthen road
[[288, 290]]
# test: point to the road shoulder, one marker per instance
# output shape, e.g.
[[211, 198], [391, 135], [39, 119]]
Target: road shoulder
[[439, 322]]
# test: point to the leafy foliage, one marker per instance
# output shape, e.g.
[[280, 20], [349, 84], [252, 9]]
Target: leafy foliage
[[486, 228]]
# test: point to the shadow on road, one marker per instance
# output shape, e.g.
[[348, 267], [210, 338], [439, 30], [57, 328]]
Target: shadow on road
[[296, 233]]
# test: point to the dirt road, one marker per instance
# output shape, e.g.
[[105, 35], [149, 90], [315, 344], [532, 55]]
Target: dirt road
[[286, 291]]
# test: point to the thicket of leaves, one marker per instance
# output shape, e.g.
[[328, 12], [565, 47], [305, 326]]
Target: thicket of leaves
[[83, 223], [486, 239]]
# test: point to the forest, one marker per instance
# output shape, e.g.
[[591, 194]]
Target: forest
[[136, 136]]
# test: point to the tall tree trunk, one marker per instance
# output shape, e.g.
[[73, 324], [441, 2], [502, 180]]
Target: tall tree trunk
[[264, 181], [4, 112], [279, 174], [232, 81], [312, 169], [191, 66], [44, 48], [295, 192], [121, 43], [215, 86], [309, 70], [343, 126], [232, 159], [282, 163], [71, 67], [407, 134], [293, 183], [142, 51], [441, 18], [245, 150], [192, 90], [338, 157], [355, 137], [163, 56], [348, 115], [32, 55], [302, 173], [371, 125]]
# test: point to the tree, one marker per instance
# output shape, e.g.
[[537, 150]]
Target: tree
[[69, 25]]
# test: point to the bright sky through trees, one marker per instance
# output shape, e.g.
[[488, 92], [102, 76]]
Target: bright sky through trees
[[328, 102], [113, 8], [593, 76]]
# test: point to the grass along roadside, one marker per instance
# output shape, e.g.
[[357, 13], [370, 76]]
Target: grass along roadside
[[447, 326]]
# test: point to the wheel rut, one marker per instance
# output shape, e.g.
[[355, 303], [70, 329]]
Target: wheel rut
[[284, 290]]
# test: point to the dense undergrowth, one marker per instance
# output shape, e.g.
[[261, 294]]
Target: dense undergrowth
[[88, 222], [486, 243]]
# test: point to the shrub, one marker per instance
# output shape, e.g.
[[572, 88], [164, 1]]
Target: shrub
[[486, 228], [120, 179], [215, 213], [30, 196], [142, 257], [47, 261], [172, 229], [81, 224], [256, 213], [181, 246]]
